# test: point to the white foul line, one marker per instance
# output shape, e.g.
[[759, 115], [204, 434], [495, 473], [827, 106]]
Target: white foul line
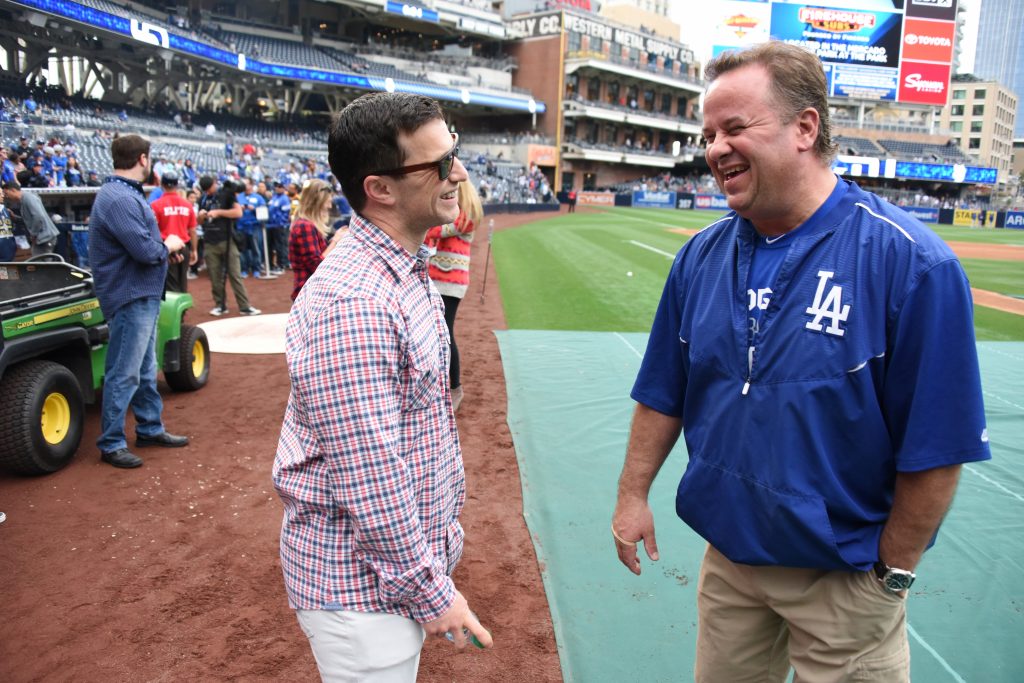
[[1000, 398], [650, 248], [995, 483], [631, 347], [945, 665]]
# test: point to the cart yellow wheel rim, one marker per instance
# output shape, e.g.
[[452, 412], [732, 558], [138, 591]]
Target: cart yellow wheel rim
[[198, 359], [56, 418]]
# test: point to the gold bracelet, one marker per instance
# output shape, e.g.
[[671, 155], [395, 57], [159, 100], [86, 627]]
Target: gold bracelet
[[620, 539]]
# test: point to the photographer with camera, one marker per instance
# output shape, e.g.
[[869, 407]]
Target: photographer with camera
[[218, 210]]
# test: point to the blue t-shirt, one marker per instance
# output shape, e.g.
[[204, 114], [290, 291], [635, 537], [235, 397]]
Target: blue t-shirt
[[769, 253]]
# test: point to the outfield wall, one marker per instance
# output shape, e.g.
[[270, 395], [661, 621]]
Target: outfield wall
[[710, 202]]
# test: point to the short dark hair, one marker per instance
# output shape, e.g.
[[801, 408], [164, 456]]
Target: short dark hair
[[10, 185], [797, 82], [206, 182], [364, 137], [126, 150]]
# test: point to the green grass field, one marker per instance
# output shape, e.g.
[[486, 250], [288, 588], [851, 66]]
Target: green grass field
[[572, 272]]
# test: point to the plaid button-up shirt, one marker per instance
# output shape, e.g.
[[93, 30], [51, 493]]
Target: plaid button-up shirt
[[369, 465]]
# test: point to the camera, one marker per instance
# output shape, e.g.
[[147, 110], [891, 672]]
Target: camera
[[227, 194]]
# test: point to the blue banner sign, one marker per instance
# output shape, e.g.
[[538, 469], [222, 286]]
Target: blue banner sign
[[1015, 220], [925, 214], [950, 173], [411, 11], [654, 200], [710, 201]]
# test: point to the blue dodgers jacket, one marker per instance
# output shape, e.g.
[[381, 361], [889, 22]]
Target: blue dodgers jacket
[[864, 364]]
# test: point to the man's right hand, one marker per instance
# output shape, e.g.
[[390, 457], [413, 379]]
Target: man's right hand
[[457, 617], [632, 523]]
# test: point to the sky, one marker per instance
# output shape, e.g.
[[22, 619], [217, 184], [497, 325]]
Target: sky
[[697, 23]]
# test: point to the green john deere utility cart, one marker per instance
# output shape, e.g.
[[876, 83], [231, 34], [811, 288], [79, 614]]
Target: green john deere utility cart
[[52, 356]]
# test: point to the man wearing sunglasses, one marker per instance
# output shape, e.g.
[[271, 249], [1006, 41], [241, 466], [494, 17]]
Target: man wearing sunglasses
[[368, 465]]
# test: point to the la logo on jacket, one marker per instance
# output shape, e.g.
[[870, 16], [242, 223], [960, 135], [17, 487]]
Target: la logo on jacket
[[828, 306]]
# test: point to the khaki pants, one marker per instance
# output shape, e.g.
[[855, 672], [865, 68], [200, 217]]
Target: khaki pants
[[832, 626], [363, 647], [219, 256]]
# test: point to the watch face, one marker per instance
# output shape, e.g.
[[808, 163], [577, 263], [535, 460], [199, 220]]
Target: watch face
[[898, 581]]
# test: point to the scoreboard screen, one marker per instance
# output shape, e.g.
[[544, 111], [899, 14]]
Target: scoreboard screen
[[897, 50]]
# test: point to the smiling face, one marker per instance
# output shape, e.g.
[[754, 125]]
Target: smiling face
[[757, 159], [422, 199]]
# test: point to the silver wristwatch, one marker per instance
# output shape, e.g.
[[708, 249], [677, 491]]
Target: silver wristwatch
[[892, 579]]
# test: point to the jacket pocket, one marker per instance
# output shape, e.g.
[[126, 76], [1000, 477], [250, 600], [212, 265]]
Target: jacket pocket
[[752, 523]]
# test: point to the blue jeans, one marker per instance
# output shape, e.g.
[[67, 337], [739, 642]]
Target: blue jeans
[[130, 378], [250, 256]]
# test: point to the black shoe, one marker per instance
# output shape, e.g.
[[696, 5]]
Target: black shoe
[[164, 439], [122, 457]]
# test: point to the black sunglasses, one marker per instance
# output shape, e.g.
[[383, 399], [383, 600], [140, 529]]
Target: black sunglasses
[[444, 164]]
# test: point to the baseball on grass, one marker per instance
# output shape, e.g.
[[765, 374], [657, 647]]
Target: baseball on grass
[[629, 273]]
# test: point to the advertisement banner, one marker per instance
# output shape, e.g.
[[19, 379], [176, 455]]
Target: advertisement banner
[[928, 41], [925, 214], [684, 200], [710, 201], [535, 26], [542, 155], [950, 173], [1015, 220], [740, 24], [932, 9], [596, 199], [965, 217], [924, 83], [643, 199], [862, 82], [840, 36]]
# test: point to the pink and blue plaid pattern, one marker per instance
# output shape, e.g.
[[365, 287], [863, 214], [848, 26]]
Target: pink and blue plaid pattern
[[369, 465]]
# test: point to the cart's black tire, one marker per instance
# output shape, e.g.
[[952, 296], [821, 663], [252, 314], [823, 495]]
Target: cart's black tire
[[194, 368], [41, 417]]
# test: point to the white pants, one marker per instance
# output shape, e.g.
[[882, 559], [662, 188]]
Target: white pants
[[351, 647]]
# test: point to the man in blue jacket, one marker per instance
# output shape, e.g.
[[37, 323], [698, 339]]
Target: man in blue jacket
[[129, 263], [280, 207], [250, 226], [815, 346]]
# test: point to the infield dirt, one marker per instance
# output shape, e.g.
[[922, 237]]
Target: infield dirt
[[170, 572]]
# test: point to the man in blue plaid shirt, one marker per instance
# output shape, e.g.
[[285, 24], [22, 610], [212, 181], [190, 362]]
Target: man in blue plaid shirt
[[369, 465]]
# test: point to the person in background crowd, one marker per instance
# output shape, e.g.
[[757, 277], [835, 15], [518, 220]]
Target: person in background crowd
[[42, 233], [60, 166], [175, 216], [815, 347], [307, 238], [129, 263], [24, 149], [368, 464], [188, 173], [73, 173], [192, 196], [279, 207], [92, 179], [8, 170], [449, 269], [36, 177], [218, 210], [8, 246], [250, 227]]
